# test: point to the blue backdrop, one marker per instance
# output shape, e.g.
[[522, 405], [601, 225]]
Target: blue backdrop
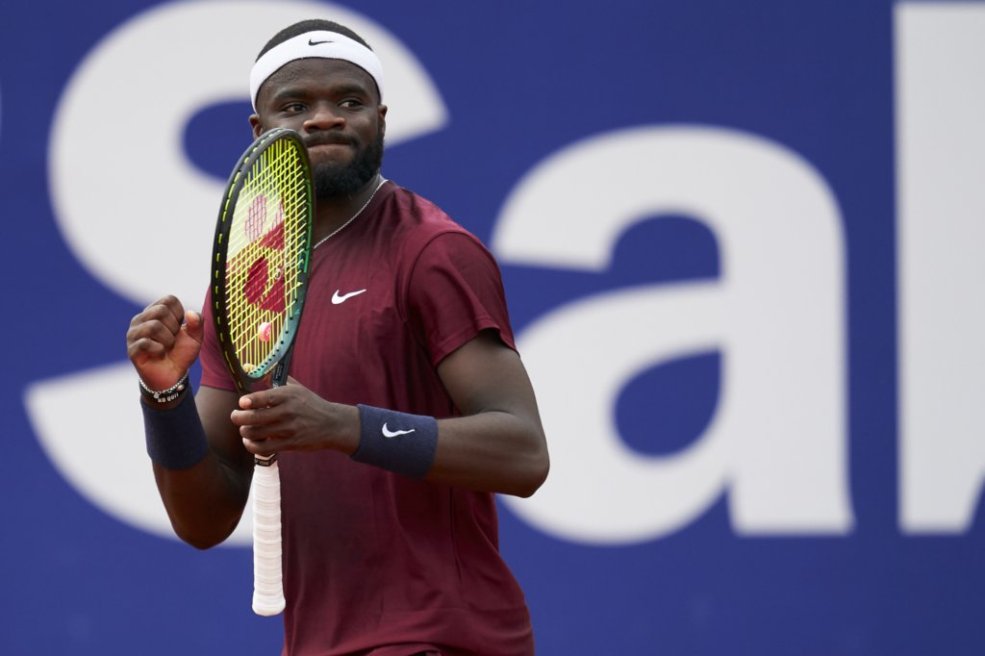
[[732, 236]]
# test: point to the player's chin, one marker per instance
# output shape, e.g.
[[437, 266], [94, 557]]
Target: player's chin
[[329, 170]]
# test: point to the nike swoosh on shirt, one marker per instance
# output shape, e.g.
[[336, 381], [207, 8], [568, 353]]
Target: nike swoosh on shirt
[[342, 298], [389, 433]]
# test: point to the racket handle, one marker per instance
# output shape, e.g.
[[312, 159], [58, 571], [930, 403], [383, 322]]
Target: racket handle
[[268, 585]]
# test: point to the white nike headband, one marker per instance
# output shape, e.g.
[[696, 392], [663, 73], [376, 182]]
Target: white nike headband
[[320, 44]]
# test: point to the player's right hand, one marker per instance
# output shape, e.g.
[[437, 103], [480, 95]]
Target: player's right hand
[[163, 342]]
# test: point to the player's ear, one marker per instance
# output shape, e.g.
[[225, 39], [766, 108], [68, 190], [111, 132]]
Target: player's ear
[[255, 125], [382, 110]]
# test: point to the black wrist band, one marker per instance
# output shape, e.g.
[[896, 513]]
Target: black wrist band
[[175, 437], [397, 441]]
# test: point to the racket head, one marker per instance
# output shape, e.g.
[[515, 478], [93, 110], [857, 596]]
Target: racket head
[[261, 254]]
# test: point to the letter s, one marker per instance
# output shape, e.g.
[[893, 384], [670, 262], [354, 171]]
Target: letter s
[[119, 178]]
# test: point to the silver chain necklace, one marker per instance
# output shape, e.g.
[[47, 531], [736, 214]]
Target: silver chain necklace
[[351, 218]]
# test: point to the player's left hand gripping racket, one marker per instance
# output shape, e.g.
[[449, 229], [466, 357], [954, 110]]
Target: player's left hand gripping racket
[[259, 275]]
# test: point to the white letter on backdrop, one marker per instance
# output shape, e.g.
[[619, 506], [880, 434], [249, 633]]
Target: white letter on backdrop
[[777, 443], [941, 173], [164, 200]]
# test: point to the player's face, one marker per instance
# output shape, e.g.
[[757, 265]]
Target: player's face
[[335, 106]]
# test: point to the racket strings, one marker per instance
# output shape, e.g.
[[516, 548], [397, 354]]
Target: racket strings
[[267, 255]]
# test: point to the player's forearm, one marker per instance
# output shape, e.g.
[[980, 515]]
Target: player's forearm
[[202, 472], [204, 502], [491, 451]]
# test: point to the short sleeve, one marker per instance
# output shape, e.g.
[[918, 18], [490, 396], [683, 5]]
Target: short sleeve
[[214, 371], [454, 292]]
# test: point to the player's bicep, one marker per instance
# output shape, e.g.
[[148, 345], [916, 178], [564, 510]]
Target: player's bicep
[[485, 375], [499, 443]]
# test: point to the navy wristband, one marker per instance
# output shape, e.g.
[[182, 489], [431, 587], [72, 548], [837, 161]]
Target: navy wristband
[[397, 441], [175, 437]]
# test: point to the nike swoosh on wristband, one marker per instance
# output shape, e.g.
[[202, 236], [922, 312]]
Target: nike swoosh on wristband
[[389, 433], [342, 298]]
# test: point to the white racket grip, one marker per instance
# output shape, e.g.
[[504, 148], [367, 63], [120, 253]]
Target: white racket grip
[[268, 583]]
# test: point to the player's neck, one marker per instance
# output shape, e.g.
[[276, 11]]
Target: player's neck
[[333, 214]]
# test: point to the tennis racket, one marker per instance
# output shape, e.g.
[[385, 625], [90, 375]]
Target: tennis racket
[[260, 260]]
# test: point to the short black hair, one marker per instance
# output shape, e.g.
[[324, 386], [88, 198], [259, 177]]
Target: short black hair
[[310, 25]]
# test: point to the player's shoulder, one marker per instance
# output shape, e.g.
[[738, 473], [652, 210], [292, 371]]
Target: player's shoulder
[[419, 220]]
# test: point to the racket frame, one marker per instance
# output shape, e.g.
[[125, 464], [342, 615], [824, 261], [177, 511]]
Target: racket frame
[[279, 357], [268, 591]]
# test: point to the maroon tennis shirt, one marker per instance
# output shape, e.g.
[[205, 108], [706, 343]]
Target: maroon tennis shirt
[[375, 561]]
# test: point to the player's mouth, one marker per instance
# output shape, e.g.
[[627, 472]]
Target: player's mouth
[[328, 141]]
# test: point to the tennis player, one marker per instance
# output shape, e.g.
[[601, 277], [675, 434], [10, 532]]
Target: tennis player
[[407, 408]]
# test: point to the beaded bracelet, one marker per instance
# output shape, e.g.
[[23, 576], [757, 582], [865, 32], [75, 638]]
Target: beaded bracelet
[[166, 395]]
